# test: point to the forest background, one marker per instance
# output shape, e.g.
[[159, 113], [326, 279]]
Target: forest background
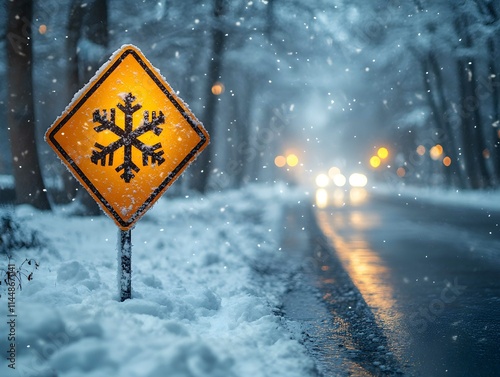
[[329, 80]]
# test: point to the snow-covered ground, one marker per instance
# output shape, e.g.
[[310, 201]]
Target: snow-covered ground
[[208, 278], [201, 306]]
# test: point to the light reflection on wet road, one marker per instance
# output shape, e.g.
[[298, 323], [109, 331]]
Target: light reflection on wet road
[[365, 267], [430, 274]]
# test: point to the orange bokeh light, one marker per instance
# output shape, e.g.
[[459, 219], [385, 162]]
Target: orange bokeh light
[[218, 88], [436, 151], [280, 161]]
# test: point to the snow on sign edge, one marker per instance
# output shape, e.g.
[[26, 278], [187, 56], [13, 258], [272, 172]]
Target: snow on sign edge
[[82, 95]]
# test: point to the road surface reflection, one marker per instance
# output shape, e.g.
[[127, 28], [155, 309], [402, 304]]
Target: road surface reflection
[[429, 275], [362, 262], [340, 197]]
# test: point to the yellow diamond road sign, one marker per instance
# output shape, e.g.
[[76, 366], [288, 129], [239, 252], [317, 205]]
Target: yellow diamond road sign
[[126, 136]]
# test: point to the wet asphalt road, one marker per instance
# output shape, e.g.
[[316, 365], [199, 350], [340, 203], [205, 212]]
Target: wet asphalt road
[[429, 275]]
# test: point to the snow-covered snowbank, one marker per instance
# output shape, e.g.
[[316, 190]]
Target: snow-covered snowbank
[[199, 306], [485, 199]]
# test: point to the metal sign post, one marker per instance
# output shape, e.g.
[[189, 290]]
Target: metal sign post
[[125, 264], [126, 137]]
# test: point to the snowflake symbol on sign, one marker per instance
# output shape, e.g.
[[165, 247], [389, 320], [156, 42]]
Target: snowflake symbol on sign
[[128, 138]]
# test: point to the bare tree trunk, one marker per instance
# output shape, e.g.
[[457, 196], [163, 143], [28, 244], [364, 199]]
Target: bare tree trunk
[[21, 119], [473, 178], [491, 17], [91, 22], [74, 32], [200, 181], [242, 152], [495, 98], [453, 173], [474, 143], [478, 124], [434, 86], [270, 18]]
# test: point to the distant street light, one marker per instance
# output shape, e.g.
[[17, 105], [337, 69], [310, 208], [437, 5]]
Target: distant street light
[[280, 161], [375, 161], [292, 160], [358, 180], [218, 88], [383, 153], [339, 180], [333, 171], [436, 151], [322, 180]]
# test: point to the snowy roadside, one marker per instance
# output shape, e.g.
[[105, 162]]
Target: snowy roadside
[[481, 199], [204, 302]]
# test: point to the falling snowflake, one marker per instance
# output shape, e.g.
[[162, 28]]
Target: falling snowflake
[[128, 138]]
